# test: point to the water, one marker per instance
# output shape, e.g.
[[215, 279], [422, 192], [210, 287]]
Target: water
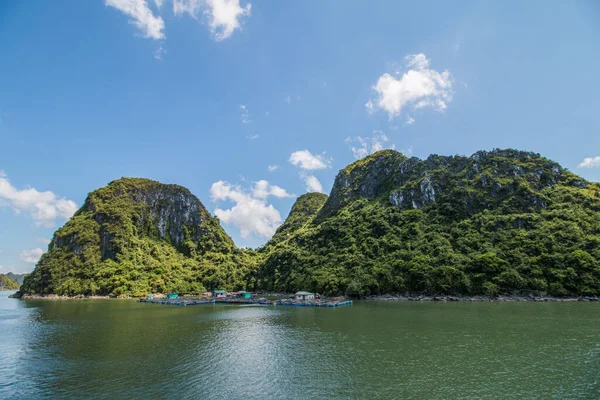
[[124, 349]]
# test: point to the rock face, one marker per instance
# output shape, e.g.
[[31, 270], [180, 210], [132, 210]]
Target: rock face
[[482, 181]]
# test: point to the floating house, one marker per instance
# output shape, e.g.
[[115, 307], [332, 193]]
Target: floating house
[[219, 293], [245, 295], [304, 296], [172, 296]]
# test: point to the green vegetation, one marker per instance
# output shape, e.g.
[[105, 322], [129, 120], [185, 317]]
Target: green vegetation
[[302, 212], [504, 221], [498, 222], [137, 236], [16, 277], [8, 284]]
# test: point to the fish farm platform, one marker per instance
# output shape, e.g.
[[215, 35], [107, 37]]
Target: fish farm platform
[[262, 302], [316, 303], [178, 302]]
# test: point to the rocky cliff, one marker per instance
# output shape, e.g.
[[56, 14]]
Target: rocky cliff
[[483, 181]]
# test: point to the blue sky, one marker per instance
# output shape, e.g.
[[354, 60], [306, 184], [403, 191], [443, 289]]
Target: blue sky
[[209, 94]]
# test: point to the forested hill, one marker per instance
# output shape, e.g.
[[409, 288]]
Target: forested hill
[[16, 277], [7, 284], [503, 221], [137, 236]]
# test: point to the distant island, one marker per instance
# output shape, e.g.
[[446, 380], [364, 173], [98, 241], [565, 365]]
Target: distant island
[[8, 284], [19, 278], [495, 223]]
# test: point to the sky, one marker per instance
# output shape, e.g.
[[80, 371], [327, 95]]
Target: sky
[[250, 104]]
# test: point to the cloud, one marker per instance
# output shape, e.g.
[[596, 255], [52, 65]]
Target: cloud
[[32, 256], [272, 168], [362, 147], [410, 120], [44, 207], [159, 52], [142, 17], [245, 115], [288, 99], [312, 184], [262, 190], [418, 87], [590, 162], [223, 16], [253, 137], [251, 214], [306, 160]]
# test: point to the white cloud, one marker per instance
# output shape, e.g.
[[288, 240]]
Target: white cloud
[[362, 147], [32, 256], [312, 184], [245, 115], [306, 160], [251, 214], [272, 168], [44, 207], [159, 52], [142, 17], [288, 99], [223, 16], [43, 241], [590, 162], [262, 189], [253, 137], [418, 87], [410, 120]]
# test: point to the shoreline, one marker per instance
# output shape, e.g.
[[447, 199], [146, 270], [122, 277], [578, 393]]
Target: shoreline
[[385, 297], [57, 297], [483, 299]]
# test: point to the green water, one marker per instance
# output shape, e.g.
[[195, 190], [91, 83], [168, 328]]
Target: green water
[[124, 349]]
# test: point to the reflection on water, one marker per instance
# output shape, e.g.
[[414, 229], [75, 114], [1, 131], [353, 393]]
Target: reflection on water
[[124, 349]]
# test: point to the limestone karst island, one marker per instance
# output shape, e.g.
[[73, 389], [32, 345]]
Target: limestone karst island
[[300, 200], [500, 222]]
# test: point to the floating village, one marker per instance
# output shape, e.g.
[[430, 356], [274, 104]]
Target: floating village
[[299, 299]]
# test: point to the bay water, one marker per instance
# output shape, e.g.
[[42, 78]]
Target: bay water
[[66, 349]]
